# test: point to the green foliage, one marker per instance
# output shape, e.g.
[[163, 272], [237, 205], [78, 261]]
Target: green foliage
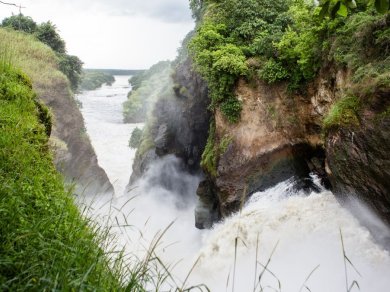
[[343, 113], [272, 72], [20, 22], [146, 88], [220, 63], [146, 141], [332, 8], [196, 8], [137, 79], [91, 79], [135, 139], [301, 46], [72, 67], [363, 45], [44, 242], [224, 144], [232, 31], [47, 33], [209, 156], [231, 108], [213, 150]]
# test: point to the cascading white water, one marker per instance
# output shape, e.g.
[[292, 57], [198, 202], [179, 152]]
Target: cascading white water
[[303, 229]]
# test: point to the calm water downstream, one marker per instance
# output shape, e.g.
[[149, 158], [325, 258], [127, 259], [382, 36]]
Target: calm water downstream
[[102, 111]]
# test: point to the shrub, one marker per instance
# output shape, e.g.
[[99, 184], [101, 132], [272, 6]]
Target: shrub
[[273, 71], [135, 139], [209, 156], [72, 67], [47, 33], [20, 22], [231, 108], [343, 113]]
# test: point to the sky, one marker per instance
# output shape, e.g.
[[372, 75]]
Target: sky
[[120, 34]]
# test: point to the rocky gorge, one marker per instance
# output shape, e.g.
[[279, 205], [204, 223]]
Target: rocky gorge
[[279, 134]]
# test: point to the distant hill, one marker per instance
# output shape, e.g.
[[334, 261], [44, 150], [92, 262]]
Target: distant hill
[[115, 71]]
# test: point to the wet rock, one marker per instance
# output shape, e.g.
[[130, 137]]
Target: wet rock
[[358, 159], [162, 139], [180, 121], [207, 208]]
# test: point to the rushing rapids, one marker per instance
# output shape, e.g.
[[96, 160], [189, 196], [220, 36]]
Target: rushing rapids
[[283, 239]]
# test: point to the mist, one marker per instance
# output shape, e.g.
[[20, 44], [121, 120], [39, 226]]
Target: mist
[[296, 235]]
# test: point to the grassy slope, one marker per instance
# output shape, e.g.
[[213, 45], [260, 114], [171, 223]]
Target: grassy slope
[[38, 61], [76, 158], [44, 242]]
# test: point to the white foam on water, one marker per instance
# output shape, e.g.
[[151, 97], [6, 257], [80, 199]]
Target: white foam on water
[[302, 229]]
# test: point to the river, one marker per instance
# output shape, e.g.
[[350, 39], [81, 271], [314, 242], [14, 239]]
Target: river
[[306, 242]]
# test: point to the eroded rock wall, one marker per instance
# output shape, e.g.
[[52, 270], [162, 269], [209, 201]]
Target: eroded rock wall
[[278, 136], [179, 122], [74, 154], [358, 157]]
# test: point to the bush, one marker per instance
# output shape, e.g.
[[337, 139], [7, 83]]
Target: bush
[[20, 22], [135, 139], [231, 108], [273, 71], [209, 156], [343, 113], [47, 33], [232, 31], [72, 67]]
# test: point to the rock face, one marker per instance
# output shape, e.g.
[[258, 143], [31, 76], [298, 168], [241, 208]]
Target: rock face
[[180, 122], [74, 155], [277, 137], [358, 158]]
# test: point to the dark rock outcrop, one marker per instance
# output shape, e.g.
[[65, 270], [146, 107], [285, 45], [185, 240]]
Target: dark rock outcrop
[[180, 122], [358, 158]]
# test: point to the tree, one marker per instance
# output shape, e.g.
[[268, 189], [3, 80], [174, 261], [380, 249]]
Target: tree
[[72, 67], [46, 32], [20, 22]]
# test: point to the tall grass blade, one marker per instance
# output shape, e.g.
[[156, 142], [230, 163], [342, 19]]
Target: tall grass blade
[[307, 279]]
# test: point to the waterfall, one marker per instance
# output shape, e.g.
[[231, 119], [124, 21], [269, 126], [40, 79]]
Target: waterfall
[[308, 239]]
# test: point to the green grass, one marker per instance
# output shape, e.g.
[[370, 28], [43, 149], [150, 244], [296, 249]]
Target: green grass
[[37, 60], [343, 113], [209, 156], [44, 242]]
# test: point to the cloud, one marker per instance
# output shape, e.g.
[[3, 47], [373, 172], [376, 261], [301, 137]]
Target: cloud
[[115, 33], [171, 11]]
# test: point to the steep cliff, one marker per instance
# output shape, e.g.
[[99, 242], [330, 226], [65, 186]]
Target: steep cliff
[[358, 157], [74, 155], [178, 123], [290, 94], [294, 102]]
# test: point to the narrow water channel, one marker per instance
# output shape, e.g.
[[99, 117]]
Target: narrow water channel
[[102, 111]]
